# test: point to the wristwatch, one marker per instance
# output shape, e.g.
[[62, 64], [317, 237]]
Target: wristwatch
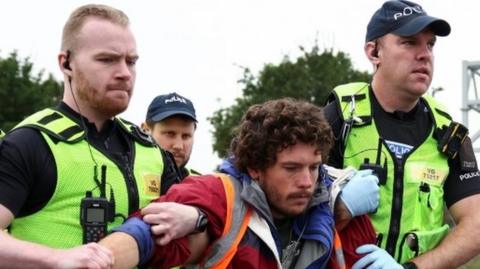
[[409, 265], [202, 222]]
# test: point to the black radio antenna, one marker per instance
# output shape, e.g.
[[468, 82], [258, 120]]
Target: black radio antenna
[[103, 181]]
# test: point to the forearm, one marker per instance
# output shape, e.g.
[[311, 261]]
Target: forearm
[[462, 243], [458, 247], [183, 251], [132, 243], [197, 244], [15, 253], [124, 248]]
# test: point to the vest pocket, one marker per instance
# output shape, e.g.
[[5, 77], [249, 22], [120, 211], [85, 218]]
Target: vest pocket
[[429, 206], [415, 243]]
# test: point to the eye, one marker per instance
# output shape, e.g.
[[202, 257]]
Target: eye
[[169, 134], [315, 167], [291, 168], [106, 60], [131, 62]]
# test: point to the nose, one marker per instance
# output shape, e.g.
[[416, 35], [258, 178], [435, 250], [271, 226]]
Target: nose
[[124, 71], [425, 53], [305, 179], [177, 143]]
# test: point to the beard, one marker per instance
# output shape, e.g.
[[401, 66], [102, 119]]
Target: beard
[[278, 205], [98, 100]]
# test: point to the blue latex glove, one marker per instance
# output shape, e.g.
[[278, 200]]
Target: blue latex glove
[[376, 258], [361, 194]]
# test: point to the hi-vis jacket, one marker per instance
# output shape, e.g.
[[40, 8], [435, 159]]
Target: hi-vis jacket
[[134, 183], [409, 220]]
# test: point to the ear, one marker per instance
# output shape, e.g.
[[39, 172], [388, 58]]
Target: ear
[[254, 174], [371, 51], [64, 63], [145, 128]]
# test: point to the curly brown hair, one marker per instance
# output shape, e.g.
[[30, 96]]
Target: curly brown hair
[[269, 128]]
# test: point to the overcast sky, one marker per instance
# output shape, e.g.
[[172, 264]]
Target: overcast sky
[[197, 47]]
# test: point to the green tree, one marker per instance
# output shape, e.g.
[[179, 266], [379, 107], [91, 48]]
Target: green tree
[[310, 77], [22, 92]]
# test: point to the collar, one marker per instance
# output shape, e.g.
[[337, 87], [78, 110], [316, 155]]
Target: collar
[[399, 115], [84, 122]]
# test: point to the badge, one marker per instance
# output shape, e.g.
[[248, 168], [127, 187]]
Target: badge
[[151, 184]]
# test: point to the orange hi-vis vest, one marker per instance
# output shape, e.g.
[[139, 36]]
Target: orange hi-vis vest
[[238, 216]]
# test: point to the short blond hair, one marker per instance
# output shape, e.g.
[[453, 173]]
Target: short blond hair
[[81, 14]]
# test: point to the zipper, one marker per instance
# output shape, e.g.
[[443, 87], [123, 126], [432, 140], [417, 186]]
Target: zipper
[[397, 199], [125, 168], [133, 199], [397, 204]]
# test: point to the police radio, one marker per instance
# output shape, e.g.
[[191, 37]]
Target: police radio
[[377, 168], [96, 212]]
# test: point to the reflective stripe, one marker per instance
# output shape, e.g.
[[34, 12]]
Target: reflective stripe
[[55, 124], [230, 195], [236, 223], [337, 246], [225, 261]]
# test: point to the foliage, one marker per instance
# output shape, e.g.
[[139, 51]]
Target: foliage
[[22, 92], [311, 77]]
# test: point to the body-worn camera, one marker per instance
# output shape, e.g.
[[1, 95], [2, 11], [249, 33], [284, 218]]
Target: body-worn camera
[[94, 216], [452, 139]]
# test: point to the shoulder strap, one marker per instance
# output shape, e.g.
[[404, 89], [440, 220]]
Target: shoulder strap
[[236, 224], [354, 103], [439, 111], [55, 124], [136, 132]]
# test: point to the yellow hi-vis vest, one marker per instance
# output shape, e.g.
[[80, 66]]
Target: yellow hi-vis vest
[[409, 220], [58, 223]]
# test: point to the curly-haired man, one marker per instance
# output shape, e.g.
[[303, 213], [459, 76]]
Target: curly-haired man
[[268, 209]]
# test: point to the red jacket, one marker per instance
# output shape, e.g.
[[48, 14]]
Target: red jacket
[[207, 193]]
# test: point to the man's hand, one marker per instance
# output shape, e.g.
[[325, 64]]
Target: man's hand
[[91, 256], [170, 220], [376, 258], [361, 195]]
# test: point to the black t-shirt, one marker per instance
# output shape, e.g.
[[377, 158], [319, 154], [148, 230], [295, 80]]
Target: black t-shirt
[[403, 132], [28, 171]]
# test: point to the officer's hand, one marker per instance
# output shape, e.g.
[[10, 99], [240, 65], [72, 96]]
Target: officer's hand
[[91, 256], [361, 194], [170, 220], [376, 258]]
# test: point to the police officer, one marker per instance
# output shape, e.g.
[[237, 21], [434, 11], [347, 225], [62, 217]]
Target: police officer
[[411, 142], [172, 122], [79, 150]]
